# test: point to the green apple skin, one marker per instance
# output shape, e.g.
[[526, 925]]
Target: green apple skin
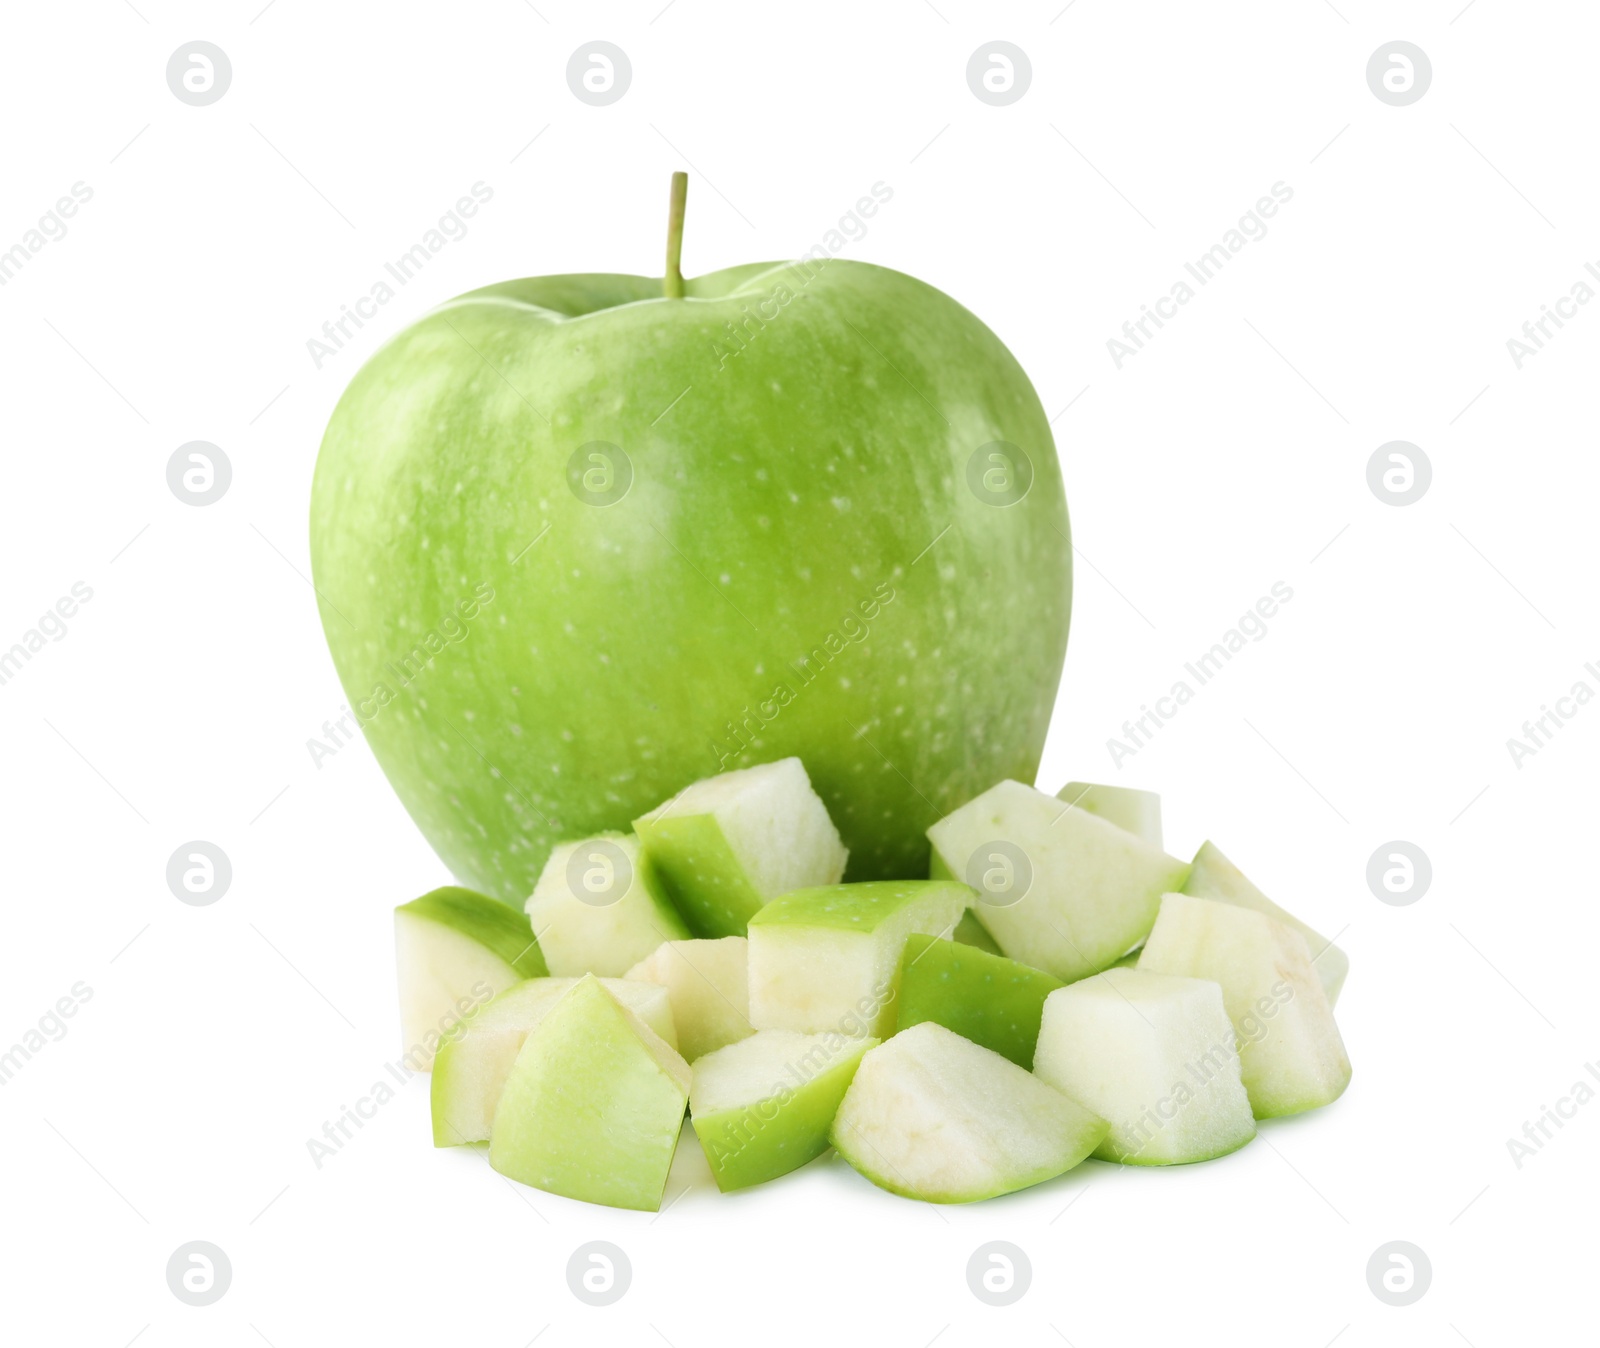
[[986, 998], [508, 935], [799, 566], [785, 1125], [593, 1106]]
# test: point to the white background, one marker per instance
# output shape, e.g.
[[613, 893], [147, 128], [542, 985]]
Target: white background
[[1228, 455]]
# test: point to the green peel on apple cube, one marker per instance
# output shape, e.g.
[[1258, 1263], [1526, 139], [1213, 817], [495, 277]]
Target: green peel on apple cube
[[473, 1063], [594, 1104], [709, 985], [763, 1107], [1290, 1054], [454, 949], [826, 960], [1061, 889], [600, 907], [1213, 876], [1137, 811], [934, 1116], [989, 999], [729, 844], [1155, 1056]]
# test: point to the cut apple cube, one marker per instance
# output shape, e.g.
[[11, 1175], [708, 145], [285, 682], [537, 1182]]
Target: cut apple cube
[[709, 984], [473, 1063], [1213, 876], [1155, 1056], [826, 959], [986, 998], [599, 907], [934, 1116], [763, 1107], [729, 844], [593, 1106], [454, 950], [1060, 889], [1290, 1054], [1139, 812]]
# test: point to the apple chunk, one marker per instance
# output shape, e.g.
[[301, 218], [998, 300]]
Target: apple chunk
[[932, 1115], [1154, 1055], [727, 845], [1061, 889], [986, 998], [1213, 876], [1139, 812], [600, 908], [455, 948], [593, 1106], [709, 984], [475, 1060], [1290, 1054], [826, 959], [763, 1107]]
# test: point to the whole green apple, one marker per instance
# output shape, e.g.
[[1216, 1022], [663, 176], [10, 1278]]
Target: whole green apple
[[579, 541]]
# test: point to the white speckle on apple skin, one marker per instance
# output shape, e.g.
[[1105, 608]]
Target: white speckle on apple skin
[[840, 503]]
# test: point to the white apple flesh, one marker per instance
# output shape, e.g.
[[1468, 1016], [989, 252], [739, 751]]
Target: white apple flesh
[[599, 907], [709, 985], [934, 1116], [1290, 1053], [1078, 893], [1155, 1056], [1137, 811]]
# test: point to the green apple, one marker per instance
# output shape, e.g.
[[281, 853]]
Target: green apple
[[1213, 876], [455, 949], [826, 959], [709, 986], [726, 845], [594, 1104], [1137, 811], [579, 541], [969, 931], [1154, 1055], [986, 998], [1060, 889], [475, 1060], [599, 907], [763, 1107], [932, 1115], [1290, 1053]]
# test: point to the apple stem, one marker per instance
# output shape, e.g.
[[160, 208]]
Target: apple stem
[[672, 282]]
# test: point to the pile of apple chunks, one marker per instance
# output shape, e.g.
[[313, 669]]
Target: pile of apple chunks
[[1086, 995]]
